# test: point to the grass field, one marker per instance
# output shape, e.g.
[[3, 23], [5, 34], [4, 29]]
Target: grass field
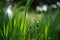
[[26, 25]]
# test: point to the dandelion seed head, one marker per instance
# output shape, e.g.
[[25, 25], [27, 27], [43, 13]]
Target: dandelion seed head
[[58, 3], [38, 8], [44, 7], [9, 11]]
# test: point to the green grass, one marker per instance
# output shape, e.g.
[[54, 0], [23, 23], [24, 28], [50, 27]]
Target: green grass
[[25, 26]]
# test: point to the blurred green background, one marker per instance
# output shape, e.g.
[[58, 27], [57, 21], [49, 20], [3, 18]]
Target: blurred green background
[[20, 21]]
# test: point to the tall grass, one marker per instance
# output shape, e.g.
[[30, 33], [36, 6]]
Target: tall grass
[[19, 28]]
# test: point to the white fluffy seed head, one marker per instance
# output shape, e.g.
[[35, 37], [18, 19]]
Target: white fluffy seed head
[[58, 3], [38, 8], [9, 11], [44, 7]]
